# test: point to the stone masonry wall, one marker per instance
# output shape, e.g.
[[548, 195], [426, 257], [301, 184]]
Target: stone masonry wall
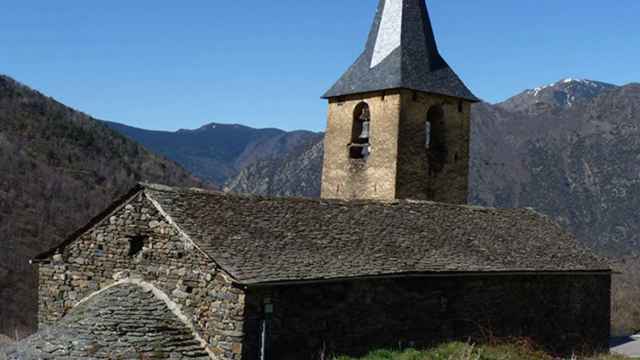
[[418, 178], [100, 256], [562, 313], [399, 166], [374, 178]]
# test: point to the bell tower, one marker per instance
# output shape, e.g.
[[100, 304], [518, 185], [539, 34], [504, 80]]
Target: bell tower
[[399, 118]]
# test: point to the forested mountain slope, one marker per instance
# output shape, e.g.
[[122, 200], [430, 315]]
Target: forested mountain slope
[[218, 152], [58, 168]]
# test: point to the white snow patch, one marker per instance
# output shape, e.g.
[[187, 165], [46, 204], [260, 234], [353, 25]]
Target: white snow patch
[[537, 90]]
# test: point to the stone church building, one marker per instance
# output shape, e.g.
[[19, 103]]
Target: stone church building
[[390, 257]]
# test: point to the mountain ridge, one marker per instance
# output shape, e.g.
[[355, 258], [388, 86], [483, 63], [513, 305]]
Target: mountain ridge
[[563, 94], [217, 152]]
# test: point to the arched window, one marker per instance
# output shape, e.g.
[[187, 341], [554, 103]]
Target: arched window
[[360, 132], [436, 139]]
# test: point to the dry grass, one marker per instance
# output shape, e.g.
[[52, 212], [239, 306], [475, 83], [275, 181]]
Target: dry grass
[[5, 340], [462, 351], [625, 311]]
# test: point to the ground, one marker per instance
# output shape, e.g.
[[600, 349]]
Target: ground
[[462, 351]]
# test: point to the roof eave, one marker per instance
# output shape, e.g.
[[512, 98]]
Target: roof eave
[[592, 272], [42, 257], [329, 95]]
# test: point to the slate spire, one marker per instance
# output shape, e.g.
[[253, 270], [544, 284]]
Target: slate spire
[[401, 52]]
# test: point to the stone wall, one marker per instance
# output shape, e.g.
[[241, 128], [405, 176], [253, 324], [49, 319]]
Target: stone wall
[[419, 177], [101, 256], [374, 178], [562, 313], [399, 166]]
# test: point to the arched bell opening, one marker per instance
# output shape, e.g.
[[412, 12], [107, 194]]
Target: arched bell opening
[[436, 139], [360, 145]]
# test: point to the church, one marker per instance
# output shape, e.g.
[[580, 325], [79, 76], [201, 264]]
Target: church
[[390, 257]]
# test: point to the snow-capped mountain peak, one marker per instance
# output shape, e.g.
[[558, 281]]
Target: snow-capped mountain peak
[[564, 93]]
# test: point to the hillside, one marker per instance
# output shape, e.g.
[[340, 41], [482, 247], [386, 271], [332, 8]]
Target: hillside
[[577, 162], [58, 168], [293, 174], [217, 152]]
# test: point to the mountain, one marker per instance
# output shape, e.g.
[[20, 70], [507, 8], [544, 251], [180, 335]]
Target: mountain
[[575, 158], [217, 152], [58, 168], [296, 174], [562, 94], [579, 164]]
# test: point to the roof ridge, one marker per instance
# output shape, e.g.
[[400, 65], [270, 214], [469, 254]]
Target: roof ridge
[[364, 202]]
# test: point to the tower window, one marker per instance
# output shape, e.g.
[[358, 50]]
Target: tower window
[[460, 106], [436, 139], [136, 244], [360, 133]]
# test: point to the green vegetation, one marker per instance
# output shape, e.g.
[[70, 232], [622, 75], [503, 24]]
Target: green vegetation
[[462, 351]]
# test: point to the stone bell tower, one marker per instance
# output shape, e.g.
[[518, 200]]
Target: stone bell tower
[[398, 124]]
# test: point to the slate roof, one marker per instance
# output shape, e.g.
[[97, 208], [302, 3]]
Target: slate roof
[[266, 240], [122, 322], [401, 52]]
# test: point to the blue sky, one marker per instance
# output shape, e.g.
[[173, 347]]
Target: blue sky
[[180, 64]]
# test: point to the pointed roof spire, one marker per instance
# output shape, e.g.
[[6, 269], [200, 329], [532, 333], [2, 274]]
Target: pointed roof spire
[[401, 53]]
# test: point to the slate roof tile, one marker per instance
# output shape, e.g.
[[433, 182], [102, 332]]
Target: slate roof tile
[[124, 321], [410, 59], [262, 240]]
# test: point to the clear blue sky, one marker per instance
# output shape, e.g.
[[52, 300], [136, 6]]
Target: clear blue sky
[[179, 64]]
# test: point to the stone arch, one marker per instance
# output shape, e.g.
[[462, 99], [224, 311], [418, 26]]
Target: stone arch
[[436, 139], [360, 132], [160, 295]]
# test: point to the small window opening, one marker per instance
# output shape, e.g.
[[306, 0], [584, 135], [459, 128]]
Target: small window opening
[[189, 290], [360, 133], [136, 244], [460, 106], [427, 140], [415, 96], [100, 250], [436, 139]]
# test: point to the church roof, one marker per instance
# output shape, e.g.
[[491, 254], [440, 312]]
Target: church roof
[[125, 321], [401, 52], [265, 240]]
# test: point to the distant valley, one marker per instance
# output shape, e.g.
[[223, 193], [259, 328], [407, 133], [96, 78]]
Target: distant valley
[[219, 152]]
